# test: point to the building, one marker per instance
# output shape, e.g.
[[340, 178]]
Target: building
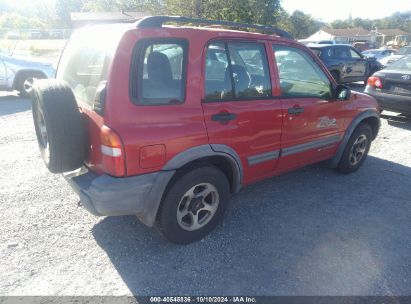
[[384, 36], [82, 19], [351, 35], [342, 35]]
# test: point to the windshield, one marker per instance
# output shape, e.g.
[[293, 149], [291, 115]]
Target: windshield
[[404, 51], [404, 64]]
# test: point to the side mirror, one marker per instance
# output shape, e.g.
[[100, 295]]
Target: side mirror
[[342, 92]]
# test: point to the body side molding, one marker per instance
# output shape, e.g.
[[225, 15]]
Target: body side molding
[[319, 143]]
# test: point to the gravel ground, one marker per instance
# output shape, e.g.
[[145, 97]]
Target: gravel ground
[[309, 232]]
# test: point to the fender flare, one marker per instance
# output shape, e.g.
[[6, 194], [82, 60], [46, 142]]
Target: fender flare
[[207, 150], [333, 162]]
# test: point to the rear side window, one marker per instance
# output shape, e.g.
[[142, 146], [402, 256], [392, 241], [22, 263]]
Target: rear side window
[[159, 71], [236, 70], [342, 52]]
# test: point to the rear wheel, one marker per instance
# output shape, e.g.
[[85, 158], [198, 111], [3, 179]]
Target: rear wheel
[[356, 150], [26, 81], [194, 205]]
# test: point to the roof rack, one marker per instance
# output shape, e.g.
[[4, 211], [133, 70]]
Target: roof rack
[[158, 21]]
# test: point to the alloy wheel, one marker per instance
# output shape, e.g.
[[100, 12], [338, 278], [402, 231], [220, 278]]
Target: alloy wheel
[[197, 206], [358, 149]]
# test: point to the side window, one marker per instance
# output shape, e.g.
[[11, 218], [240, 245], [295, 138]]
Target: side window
[[328, 52], [299, 75], [236, 70], [218, 84], [161, 72], [354, 54], [342, 52], [249, 69]]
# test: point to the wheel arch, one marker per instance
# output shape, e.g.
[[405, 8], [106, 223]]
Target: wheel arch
[[220, 156], [370, 117]]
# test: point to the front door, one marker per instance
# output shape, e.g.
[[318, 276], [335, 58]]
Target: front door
[[360, 64], [313, 120], [343, 56], [238, 106]]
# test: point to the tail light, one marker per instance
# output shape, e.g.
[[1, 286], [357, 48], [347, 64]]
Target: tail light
[[112, 151], [374, 82]]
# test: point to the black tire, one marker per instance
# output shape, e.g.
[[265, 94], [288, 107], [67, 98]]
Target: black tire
[[24, 79], [176, 199], [347, 163], [59, 126], [336, 76]]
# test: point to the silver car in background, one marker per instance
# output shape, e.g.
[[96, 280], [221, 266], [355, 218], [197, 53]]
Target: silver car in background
[[19, 74]]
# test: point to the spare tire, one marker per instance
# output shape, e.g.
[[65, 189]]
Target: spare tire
[[59, 125]]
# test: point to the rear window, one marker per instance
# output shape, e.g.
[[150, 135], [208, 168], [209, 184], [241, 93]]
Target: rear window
[[85, 61], [404, 64]]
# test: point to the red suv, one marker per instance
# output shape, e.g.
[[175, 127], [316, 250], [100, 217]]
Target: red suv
[[165, 122]]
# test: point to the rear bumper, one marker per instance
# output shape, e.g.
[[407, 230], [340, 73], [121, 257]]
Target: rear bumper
[[393, 102], [104, 195]]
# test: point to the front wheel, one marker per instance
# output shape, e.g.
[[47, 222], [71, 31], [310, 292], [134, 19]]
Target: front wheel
[[194, 205], [356, 150]]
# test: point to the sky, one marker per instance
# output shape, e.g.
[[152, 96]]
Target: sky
[[340, 9]]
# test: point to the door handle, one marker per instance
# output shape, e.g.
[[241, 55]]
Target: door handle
[[223, 117], [295, 110]]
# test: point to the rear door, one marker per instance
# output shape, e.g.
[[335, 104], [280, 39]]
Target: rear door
[[238, 106], [313, 120]]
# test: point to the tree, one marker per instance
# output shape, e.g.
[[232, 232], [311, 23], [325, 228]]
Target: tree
[[247, 11], [303, 25], [65, 7]]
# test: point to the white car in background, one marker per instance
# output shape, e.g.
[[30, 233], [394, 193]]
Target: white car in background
[[20, 74], [379, 54], [405, 50]]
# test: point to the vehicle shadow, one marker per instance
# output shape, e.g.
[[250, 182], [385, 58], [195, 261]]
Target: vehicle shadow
[[398, 121], [309, 232], [12, 104]]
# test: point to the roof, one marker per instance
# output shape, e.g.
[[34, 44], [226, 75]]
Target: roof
[[390, 32], [107, 16], [357, 31]]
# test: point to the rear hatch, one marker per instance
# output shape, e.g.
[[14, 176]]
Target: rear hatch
[[398, 83], [85, 66], [396, 79]]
